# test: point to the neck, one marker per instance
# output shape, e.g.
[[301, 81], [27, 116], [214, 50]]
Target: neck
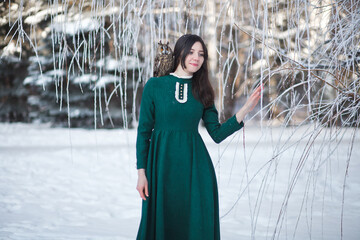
[[180, 72]]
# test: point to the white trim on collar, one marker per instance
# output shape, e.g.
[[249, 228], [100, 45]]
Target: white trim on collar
[[185, 77]]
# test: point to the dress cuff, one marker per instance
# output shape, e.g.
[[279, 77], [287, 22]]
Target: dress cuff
[[140, 165], [234, 123]]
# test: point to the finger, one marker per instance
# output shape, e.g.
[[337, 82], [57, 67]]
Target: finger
[[254, 94], [257, 88], [260, 88], [255, 99], [146, 190], [258, 96], [141, 191]]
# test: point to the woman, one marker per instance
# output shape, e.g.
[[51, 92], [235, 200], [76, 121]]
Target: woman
[[176, 177]]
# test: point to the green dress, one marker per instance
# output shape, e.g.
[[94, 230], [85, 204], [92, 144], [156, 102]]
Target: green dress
[[183, 196]]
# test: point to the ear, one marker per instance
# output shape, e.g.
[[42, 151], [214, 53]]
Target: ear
[[167, 43], [159, 42]]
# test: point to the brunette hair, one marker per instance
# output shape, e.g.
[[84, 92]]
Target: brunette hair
[[201, 87]]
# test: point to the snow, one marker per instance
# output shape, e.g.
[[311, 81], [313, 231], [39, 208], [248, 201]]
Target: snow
[[38, 80], [126, 62], [56, 73], [78, 25], [41, 15], [107, 79], [45, 78], [43, 60], [33, 100], [108, 64], [85, 78], [80, 184], [10, 50]]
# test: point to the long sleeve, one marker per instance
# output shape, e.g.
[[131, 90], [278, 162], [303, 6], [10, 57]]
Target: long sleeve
[[217, 131], [146, 125]]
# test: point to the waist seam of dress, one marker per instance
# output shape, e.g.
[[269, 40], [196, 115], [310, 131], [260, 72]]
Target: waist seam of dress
[[176, 130]]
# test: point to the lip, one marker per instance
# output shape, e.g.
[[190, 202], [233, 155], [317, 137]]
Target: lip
[[194, 64]]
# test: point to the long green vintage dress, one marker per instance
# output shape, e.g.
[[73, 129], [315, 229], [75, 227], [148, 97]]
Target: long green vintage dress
[[183, 196]]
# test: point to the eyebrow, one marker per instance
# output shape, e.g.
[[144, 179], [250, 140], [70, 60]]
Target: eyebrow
[[199, 51]]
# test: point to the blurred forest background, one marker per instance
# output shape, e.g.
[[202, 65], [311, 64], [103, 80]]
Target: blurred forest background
[[84, 63]]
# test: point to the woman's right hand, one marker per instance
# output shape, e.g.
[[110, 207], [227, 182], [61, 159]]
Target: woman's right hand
[[142, 184]]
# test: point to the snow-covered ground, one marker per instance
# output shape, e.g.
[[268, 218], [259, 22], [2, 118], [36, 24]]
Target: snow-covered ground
[[80, 184]]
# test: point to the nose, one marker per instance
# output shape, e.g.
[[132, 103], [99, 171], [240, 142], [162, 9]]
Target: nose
[[196, 57]]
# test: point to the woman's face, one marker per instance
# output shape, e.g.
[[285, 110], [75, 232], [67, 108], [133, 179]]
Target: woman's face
[[195, 59]]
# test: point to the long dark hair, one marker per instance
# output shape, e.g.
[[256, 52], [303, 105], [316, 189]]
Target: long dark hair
[[201, 87]]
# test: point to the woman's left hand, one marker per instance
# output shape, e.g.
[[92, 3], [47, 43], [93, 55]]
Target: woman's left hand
[[253, 99], [250, 103]]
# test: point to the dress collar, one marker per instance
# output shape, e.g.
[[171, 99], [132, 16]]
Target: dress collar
[[183, 77]]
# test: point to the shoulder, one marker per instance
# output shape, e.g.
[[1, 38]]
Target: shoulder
[[161, 79], [153, 81], [150, 84], [153, 85], [156, 81]]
